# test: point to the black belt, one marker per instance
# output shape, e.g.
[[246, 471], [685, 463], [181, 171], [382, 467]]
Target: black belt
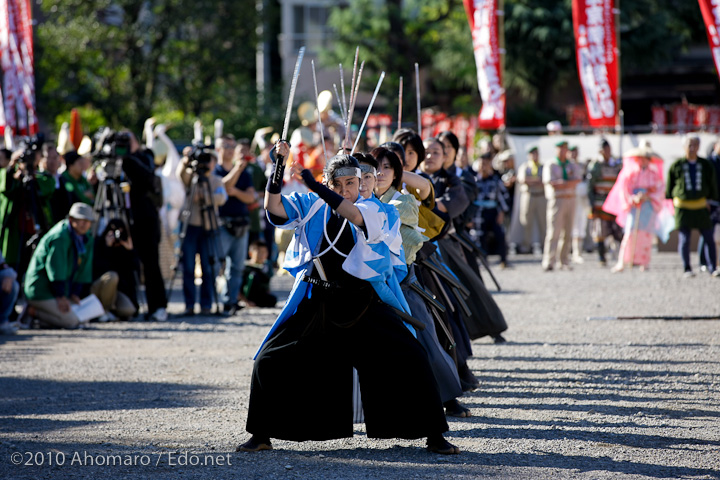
[[320, 283]]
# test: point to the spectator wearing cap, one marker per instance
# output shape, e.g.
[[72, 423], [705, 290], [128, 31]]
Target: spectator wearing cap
[[602, 175], [559, 178], [60, 269], [554, 128], [533, 206], [582, 206]]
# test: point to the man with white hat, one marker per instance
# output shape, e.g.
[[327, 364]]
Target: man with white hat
[[60, 269]]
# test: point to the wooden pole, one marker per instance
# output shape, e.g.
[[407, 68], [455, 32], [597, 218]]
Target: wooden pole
[[417, 98], [619, 119], [400, 101]]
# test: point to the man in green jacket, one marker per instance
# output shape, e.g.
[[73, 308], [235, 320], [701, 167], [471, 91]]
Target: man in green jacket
[[691, 183], [60, 269]]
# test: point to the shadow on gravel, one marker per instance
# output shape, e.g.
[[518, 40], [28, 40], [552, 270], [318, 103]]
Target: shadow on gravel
[[24, 396], [409, 462], [573, 430], [617, 361], [13, 338], [91, 460]]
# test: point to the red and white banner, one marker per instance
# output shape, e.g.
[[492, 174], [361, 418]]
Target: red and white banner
[[659, 118], [597, 59], [711, 14], [16, 58], [483, 18]]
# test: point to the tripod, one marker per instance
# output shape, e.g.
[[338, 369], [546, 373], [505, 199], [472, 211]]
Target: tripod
[[112, 202], [200, 191]]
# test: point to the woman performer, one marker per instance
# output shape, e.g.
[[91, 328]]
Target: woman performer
[[636, 199], [340, 314], [486, 318], [389, 177], [432, 222]]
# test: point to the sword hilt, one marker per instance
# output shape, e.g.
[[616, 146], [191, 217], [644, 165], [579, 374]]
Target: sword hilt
[[279, 171]]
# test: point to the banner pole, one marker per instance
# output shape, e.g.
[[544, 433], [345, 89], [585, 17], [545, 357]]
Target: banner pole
[[620, 120], [500, 15]]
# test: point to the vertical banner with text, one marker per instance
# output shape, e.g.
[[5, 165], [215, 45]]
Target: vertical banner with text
[[711, 15], [483, 19], [597, 59], [16, 58]]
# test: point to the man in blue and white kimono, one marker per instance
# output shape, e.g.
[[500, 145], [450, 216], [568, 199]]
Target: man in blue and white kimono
[[341, 314]]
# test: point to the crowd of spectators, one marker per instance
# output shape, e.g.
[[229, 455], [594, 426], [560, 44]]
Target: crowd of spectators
[[57, 247]]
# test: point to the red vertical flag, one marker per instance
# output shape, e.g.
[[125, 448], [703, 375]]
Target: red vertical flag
[[16, 57], [483, 18], [711, 14], [597, 60]]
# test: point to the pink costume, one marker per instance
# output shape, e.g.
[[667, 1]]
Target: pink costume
[[651, 215]]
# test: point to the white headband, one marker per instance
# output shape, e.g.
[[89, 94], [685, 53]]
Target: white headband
[[346, 172], [368, 169]]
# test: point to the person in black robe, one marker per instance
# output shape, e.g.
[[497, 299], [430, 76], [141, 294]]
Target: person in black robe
[[339, 324]]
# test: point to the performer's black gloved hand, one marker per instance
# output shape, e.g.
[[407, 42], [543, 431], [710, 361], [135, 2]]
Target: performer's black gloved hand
[[274, 184], [330, 197]]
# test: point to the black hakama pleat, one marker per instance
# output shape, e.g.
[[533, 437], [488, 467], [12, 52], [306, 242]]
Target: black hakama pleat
[[302, 379]]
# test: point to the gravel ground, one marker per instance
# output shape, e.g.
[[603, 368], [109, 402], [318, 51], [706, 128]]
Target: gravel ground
[[565, 397]]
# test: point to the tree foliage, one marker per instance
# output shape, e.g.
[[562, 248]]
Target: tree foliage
[[539, 42], [131, 59], [392, 35]]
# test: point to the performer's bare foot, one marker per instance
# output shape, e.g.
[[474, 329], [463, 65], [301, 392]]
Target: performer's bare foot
[[438, 444], [617, 269], [255, 444]]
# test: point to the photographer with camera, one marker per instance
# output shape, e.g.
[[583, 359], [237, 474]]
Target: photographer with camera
[[23, 203], [235, 216], [206, 193], [114, 266], [139, 166]]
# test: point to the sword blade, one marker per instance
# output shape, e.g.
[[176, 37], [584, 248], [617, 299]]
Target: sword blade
[[342, 87], [400, 93], [291, 97], [340, 106], [352, 90], [317, 105], [417, 95], [367, 114]]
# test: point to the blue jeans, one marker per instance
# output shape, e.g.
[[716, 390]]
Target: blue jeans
[[704, 253], [235, 251], [708, 250], [7, 301], [197, 241]]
